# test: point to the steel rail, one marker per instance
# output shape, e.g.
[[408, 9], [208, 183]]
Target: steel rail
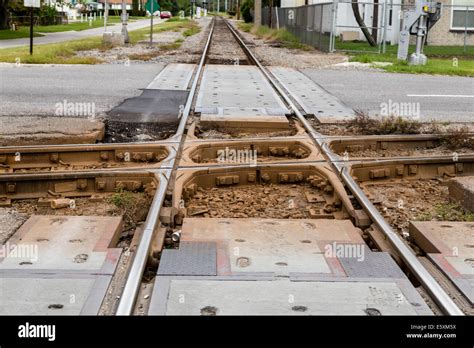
[[442, 299], [132, 285]]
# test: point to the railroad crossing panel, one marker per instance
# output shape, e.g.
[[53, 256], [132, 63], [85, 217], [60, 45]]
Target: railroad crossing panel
[[312, 98], [65, 265], [449, 245], [237, 90], [284, 297], [173, 77]]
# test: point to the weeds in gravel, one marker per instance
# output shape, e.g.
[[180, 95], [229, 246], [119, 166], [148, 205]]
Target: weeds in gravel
[[458, 137], [192, 31], [144, 56], [446, 212], [132, 205], [175, 25], [245, 27], [170, 46], [366, 125], [278, 37]]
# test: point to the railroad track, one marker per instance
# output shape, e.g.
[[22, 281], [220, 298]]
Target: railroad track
[[196, 181]]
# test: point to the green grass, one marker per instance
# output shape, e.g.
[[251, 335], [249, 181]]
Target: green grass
[[280, 37], [246, 27], [446, 212], [64, 52], [430, 51], [191, 31], [57, 53], [76, 26], [440, 66], [440, 59], [175, 25], [24, 30], [17, 34]]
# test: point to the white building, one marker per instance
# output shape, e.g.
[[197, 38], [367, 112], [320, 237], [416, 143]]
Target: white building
[[346, 25]]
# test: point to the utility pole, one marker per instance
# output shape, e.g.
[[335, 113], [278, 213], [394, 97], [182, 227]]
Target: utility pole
[[151, 22], [31, 30], [124, 22], [258, 13], [106, 14]]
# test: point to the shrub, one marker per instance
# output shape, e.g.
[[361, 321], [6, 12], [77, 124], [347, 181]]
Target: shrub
[[364, 124], [458, 137], [246, 10]]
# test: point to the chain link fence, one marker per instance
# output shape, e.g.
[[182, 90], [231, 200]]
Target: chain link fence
[[331, 26], [312, 24]]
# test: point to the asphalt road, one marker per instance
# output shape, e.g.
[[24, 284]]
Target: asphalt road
[[36, 90], [444, 98]]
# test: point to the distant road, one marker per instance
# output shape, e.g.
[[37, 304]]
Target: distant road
[[74, 35]]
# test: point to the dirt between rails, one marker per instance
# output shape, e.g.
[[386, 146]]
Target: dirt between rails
[[417, 151], [420, 200], [262, 201], [348, 129], [272, 54], [236, 133], [133, 206], [224, 48], [124, 132]]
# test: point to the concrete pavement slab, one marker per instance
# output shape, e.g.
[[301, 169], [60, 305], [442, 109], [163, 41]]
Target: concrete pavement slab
[[462, 190], [283, 297], [19, 131], [62, 243], [39, 296]]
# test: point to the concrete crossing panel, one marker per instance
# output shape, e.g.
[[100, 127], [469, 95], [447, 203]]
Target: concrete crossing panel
[[237, 90], [312, 98], [174, 76], [283, 297]]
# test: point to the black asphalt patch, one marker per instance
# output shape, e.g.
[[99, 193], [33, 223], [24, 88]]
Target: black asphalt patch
[[152, 106]]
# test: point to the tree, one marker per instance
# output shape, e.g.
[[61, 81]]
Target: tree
[[135, 7], [4, 14], [246, 9], [360, 22]]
